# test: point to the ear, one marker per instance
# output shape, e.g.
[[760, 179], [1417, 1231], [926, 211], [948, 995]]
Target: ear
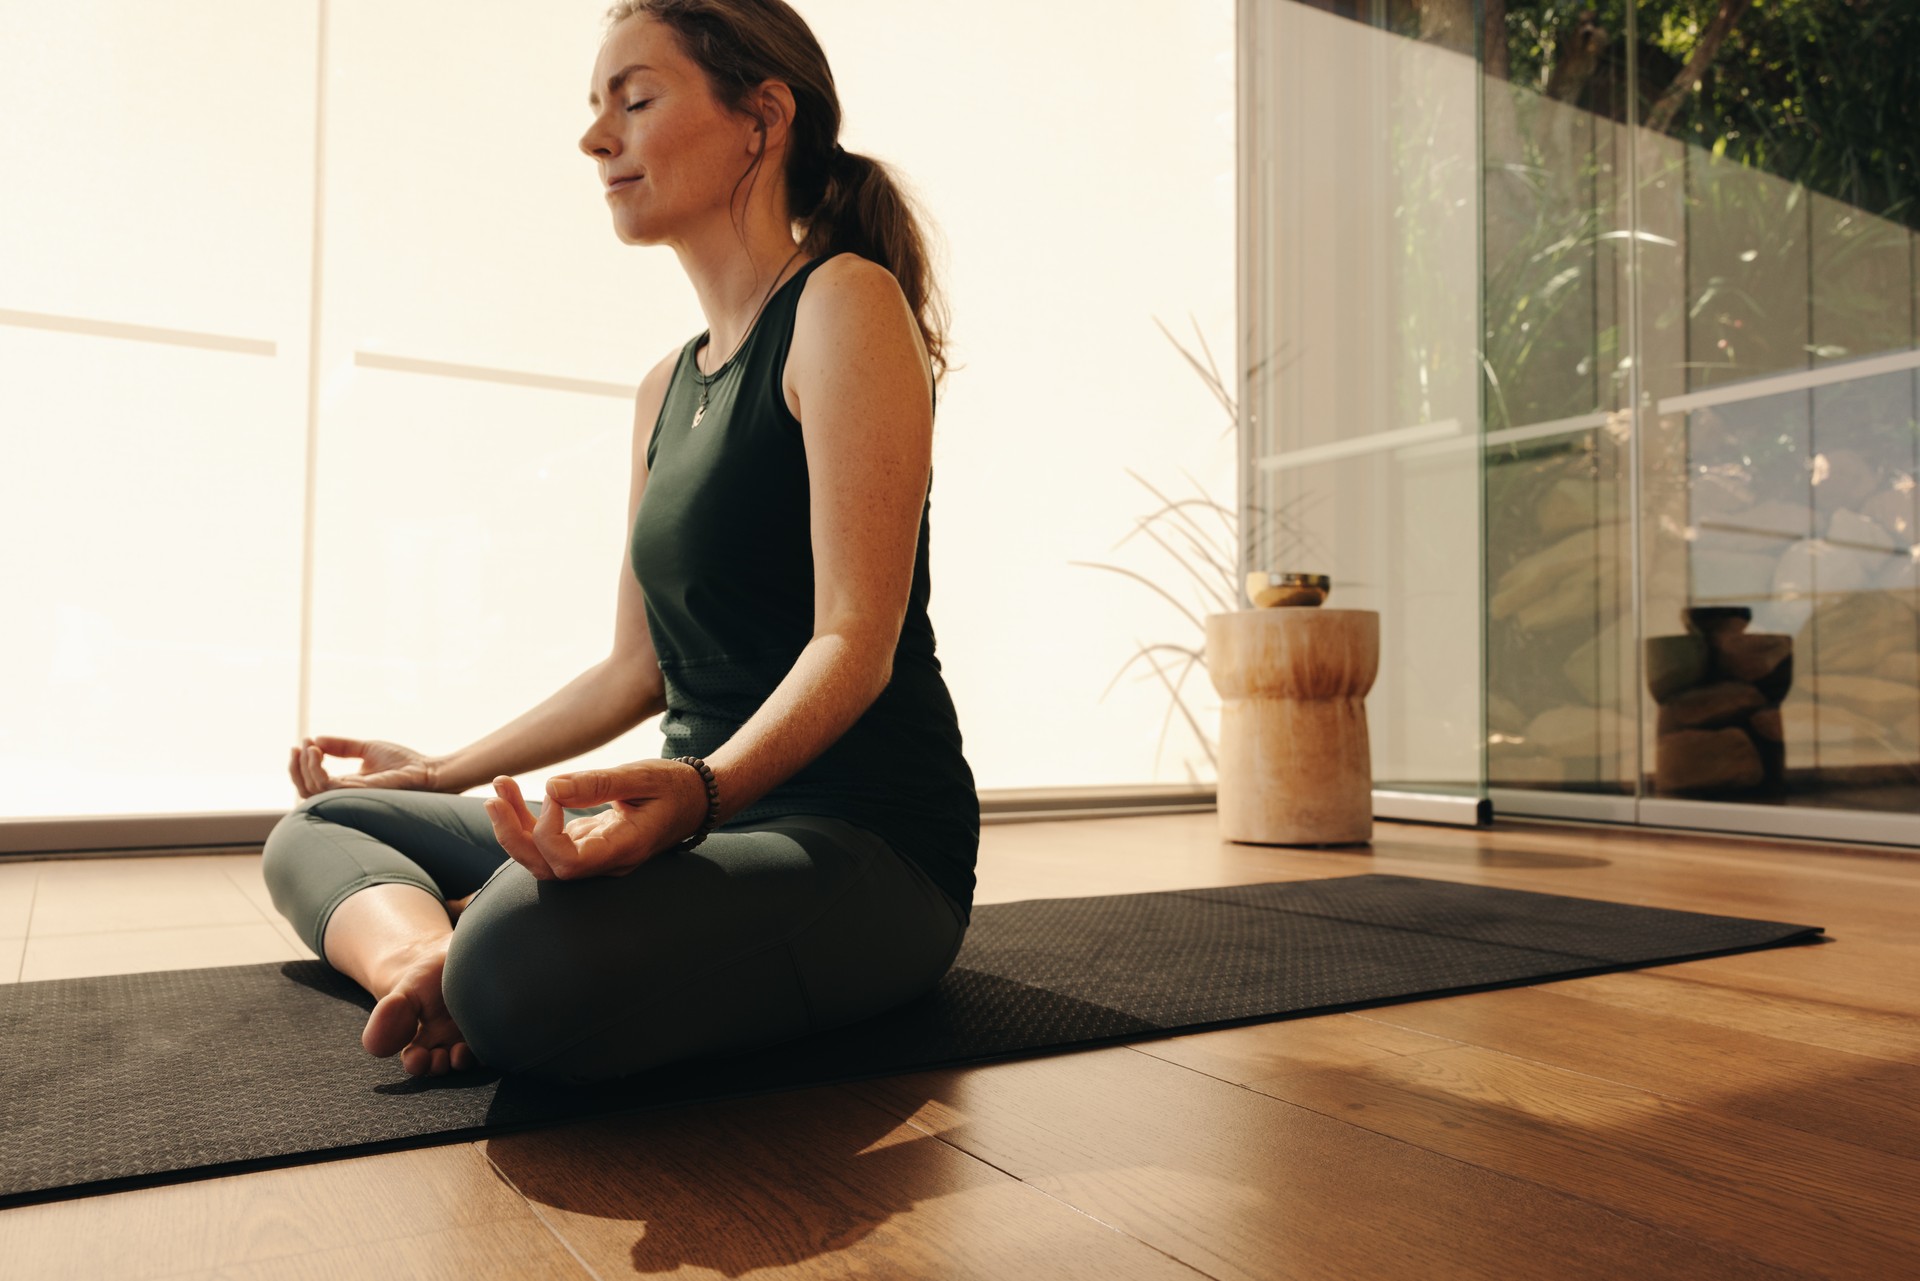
[[772, 104]]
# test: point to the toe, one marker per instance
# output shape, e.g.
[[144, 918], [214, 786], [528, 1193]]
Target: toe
[[392, 1024]]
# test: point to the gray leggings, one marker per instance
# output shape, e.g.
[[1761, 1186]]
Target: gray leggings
[[763, 933]]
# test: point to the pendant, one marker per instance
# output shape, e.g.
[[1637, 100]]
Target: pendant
[[699, 413]]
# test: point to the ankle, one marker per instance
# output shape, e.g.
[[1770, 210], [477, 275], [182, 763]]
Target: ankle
[[387, 971], [375, 935]]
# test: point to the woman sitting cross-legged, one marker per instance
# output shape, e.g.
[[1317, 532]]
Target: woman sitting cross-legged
[[801, 856]]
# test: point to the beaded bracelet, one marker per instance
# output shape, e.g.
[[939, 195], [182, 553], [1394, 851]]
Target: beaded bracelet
[[713, 802]]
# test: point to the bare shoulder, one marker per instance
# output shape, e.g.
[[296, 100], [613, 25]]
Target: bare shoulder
[[844, 303]]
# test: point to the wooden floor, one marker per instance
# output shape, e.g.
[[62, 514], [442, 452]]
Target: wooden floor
[[1745, 1116]]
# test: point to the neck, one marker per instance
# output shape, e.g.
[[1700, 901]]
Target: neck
[[733, 284]]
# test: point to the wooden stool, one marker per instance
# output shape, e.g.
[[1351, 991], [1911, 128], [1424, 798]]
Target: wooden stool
[[1295, 765]]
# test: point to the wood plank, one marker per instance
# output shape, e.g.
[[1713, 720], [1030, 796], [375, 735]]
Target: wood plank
[[1864, 1101], [251, 1218], [1810, 1019], [519, 1249], [1775, 895], [1132, 856], [1743, 877], [1783, 1196], [1241, 1054], [1239, 1185], [809, 1183], [1608, 843], [1873, 978]]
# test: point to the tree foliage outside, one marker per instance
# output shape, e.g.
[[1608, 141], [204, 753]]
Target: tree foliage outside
[[1821, 92]]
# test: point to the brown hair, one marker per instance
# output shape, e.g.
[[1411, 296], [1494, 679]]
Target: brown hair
[[847, 202]]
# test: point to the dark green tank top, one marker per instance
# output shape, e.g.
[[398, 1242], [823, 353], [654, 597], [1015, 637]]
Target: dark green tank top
[[723, 550]]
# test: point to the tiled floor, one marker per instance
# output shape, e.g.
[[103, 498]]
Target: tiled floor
[[69, 918]]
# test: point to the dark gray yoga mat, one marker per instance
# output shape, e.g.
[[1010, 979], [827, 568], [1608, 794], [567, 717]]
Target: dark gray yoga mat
[[129, 1080]]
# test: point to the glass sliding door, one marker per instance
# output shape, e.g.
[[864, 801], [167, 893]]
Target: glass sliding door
[[1361, 453], [1703, 613], [1776, 173], [1561, 685], [1640, 280]]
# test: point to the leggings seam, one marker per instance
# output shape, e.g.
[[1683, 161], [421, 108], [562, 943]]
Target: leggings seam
[[806, 1000], [786, 941]]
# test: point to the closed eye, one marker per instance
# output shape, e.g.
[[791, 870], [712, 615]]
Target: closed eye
[[636, 106]]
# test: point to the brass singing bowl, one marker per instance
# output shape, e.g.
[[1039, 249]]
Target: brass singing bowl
[[1267, 589]]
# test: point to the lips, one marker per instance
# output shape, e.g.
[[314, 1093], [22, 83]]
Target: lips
[[618, 183]]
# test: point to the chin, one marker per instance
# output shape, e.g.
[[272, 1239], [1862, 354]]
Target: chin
[[632, 235]]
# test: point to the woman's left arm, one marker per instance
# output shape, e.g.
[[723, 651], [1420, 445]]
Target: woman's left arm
[[860, 372]]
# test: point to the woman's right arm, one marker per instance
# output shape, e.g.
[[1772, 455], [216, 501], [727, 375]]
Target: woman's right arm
[[607, 699]]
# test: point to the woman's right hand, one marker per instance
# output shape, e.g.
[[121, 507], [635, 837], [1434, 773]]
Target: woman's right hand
[[382, 765]]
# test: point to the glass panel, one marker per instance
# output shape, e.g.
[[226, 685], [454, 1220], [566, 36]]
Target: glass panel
[[1363, 450], [1561, 704], [1778, 348]]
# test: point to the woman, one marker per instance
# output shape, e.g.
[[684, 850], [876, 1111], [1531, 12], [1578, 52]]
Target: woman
[[806, 857]]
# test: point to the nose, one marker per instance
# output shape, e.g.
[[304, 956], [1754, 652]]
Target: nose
[[596, 142]]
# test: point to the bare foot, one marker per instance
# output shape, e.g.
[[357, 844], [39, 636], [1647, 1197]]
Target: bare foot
[[411, 1019]]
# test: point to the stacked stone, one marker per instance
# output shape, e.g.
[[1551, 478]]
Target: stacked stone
[[1719, 691]]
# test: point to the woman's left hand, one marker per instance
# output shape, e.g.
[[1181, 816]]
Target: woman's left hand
[[656, 805]]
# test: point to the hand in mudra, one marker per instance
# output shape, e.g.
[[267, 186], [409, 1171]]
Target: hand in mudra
[[656, 805], [381, 765]]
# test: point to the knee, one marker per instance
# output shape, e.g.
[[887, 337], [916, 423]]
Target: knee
[[525, 981], [500, 984], [280, 853], [280, 850], [337, 803]]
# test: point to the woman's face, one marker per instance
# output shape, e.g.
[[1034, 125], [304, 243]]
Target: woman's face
[[668, 154]]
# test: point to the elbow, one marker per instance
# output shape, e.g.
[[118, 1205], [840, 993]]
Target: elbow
[[870, 654], [878, 668], [654, 703], [862, 649], [641, 689]]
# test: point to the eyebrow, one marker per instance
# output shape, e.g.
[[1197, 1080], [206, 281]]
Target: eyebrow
[[613, 81]]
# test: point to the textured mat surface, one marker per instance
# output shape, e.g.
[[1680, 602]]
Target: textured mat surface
[[121, 1081]]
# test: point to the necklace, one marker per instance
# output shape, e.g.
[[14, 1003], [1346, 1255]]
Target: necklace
[[700, 413]]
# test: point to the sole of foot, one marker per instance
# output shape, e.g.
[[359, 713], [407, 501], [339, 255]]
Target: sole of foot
[[412, 1020]]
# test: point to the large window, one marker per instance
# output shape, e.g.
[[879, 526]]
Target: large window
[[317, 358]]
